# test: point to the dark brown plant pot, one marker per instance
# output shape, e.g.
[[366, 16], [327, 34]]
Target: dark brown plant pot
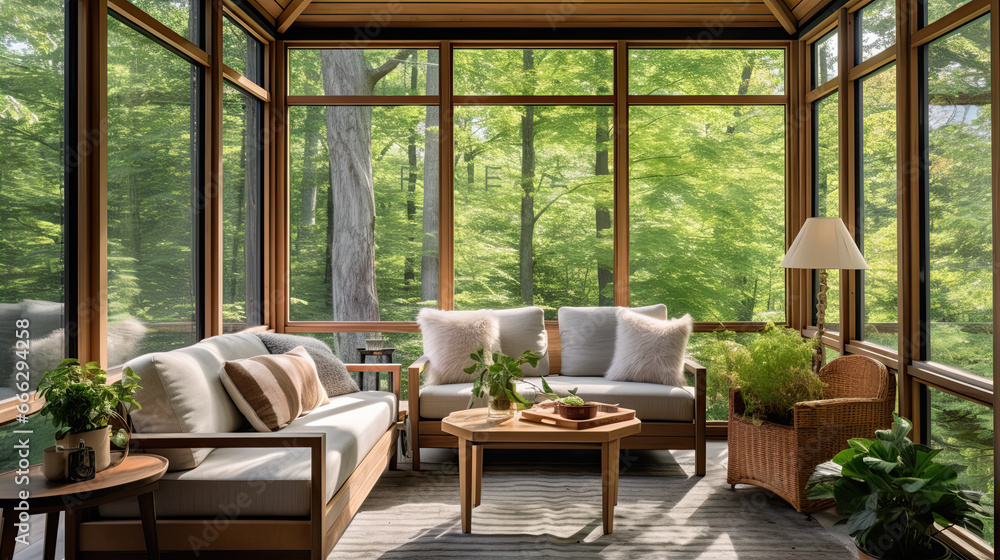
[[577, 412], [939, 551]]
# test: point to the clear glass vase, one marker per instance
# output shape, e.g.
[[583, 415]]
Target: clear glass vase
[[500, 406]]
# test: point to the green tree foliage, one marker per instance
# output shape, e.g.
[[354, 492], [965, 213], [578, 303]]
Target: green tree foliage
[[151, 180], [31, 125]]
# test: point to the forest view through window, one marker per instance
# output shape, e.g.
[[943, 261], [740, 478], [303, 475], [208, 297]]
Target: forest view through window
[[533, 184]]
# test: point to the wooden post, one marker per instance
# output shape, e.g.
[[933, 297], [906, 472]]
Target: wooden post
[[619, 218], [92, 188]]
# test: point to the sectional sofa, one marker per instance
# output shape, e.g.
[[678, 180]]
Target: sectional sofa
[[578, 351], [232, 492]]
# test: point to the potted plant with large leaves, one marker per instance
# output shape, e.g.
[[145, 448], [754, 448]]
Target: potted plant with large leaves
[[896, 496], [82, 404]]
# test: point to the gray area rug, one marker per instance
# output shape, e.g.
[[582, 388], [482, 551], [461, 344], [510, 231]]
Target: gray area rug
[[550, 509]]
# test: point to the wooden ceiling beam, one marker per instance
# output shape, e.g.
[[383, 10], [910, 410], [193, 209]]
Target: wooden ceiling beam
[[287, 17], [588, 9], [783, 14]]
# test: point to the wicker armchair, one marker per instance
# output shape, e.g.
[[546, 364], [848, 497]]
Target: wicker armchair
[[860, 397]]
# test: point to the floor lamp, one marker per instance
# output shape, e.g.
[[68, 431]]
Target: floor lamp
[[823, 243]]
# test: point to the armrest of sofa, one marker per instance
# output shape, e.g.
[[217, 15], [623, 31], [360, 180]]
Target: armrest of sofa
[[413, 373], [394, 370]]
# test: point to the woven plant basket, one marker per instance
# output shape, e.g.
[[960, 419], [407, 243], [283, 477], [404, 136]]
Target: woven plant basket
[[859, 398]]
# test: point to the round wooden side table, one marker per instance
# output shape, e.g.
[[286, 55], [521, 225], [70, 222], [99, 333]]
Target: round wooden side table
[[137, 476]]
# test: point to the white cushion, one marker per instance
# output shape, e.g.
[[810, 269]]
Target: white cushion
[[181, 392], [524, 329], [651, 401], [587, 337], [449, 337], [275, 480], [235, 346], [649, 350]]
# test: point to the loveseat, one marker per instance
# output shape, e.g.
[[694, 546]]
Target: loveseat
[[232, 492], [577, 352]]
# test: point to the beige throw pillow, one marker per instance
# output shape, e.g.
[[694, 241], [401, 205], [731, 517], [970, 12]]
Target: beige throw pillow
[[273, 390], [649, 350]]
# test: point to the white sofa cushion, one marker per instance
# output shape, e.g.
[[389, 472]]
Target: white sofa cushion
[[651, 401], [273, 482], [587, 337], [649, 350], [524, 329], [449, 337], [182, 392]]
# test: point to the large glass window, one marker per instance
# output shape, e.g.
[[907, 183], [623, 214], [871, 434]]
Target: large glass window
[[241, 52], [826, 174], [707, 202], [878, 28], [963, 431], [959, 193], [242, 174], [934, 10], [878, 191], [533, 201], [328, 72], [364, 184], [32, 195], [179, 15], [706, 72], [32, 206], [825, 59], [533, 71], [153, 246]]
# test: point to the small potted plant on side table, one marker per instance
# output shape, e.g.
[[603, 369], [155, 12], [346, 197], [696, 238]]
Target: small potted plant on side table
[[81, 404], [896, 496]]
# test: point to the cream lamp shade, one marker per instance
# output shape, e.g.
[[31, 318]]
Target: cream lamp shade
[[824, 243]]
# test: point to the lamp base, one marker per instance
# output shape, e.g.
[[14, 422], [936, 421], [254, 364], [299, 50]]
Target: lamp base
[[819, 357]]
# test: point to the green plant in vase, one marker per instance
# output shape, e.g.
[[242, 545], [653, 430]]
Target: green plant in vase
[[896, 496], [496, 375], [81, 404]]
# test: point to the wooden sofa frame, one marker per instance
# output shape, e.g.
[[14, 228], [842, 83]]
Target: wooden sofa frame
[[424, 432], [229, 537]]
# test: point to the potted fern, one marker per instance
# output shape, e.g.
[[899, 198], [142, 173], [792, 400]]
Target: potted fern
[[896, 496], [82, 404]]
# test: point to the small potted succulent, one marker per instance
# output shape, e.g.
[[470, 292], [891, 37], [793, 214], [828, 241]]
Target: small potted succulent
[[575, 408], [82, 404], [896, 496]]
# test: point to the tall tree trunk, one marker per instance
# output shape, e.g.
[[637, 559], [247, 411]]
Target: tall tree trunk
[[411, 189], [527, 250], [313, 126], [744, 88], [429, 253], [348, 136], [605, 276]]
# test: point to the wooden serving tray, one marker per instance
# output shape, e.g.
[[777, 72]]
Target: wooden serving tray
[[548, 415]]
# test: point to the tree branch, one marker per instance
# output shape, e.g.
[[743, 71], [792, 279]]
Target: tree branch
[[377, 74]]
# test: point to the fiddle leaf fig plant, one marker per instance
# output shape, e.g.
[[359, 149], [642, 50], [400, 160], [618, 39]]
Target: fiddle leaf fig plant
[[894, 493], [79, 399]]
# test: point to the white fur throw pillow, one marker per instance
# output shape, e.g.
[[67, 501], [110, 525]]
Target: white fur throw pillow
[[449, 338], [650, 350]]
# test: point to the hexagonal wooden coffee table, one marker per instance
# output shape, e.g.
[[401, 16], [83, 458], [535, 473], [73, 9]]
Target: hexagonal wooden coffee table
[[475, 433]]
